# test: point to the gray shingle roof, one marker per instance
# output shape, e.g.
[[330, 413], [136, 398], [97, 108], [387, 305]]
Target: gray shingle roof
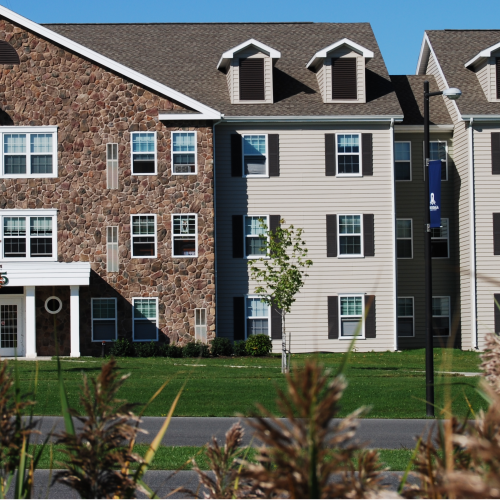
[[453, 49], [410, 92], [185, 57]]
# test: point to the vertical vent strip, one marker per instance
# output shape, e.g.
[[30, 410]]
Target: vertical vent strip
[[344, 78], [252, 80], [8, 54]]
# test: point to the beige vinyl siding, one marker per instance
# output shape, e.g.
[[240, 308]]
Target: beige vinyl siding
[[493, 77], [483, 75], [268, 76], [487, 188], [320, 74], [303, 195], [229, 78], [410, 201], [360, 68]]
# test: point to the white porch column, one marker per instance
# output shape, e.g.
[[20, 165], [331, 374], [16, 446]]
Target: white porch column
[[74, 306], [30, 322]]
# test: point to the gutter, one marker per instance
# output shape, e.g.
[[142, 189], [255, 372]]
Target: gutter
[[315, 119], [420, 128], [481, 118], [394, 241]]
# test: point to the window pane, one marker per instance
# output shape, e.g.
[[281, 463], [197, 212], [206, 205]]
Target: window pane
[[440, 232], [14, 143], [254, 145], [348, 164], [15, 164], [184, 224], [350, 245], [143, 143], [404, 249], [350, 327], [404, 228], [104, 330], [439, 248], [143, 224], [41, 143], [184, 163], [256, 246], [256, 308], [15, 247], [255, 165], [41, 226], [440, 306], [145, 309], [143, 246], [143, 164], [41, 164], [437, 151], [103, 309], [184, 246], [256, 326], [405, 327], [402, 151], [255, 226], [41, 247], [14, 226], [351, 306], [183, 141], [350, 224], [145, 330], [405, 307], [348, 143], [403, 171]]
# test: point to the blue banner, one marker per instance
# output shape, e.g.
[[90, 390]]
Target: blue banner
[[435, 192]]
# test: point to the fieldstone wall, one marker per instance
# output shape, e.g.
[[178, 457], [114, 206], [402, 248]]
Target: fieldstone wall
[[93, 106]]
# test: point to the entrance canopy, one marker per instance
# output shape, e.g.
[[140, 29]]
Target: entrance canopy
[[46, 273]]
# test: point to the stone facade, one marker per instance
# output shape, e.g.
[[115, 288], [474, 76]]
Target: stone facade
[[92, 106]]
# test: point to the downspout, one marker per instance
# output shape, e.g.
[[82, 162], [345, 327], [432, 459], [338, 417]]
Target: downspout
[[215, 224], [472, 218], [394, 253]]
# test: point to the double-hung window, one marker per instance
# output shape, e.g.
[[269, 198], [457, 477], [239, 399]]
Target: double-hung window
[[440, 241], [112, 166], [145, 319], [406, 325], [348, 154], [255, 162], [402, 161], [143, 153], [404, 239], [143, 235], [104, 320], [184, 235], [350, 235], [441, 316], [184, 153], [29, 152], [200, 325], [258, 316], [351, 316], [255, 229], [29, 234], [438, 150]]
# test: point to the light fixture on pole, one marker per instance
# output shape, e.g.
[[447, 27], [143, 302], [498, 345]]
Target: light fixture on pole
[[453, 94]]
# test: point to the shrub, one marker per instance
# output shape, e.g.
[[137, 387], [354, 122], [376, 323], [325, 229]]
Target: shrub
[[240, 348], [222, 347], [145, 349], [174, 351], [259, 345], [121, 348], [163, 350], [195, 350]]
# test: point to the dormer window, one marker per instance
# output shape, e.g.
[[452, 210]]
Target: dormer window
[[249, 70], [486, 65], [340, 69]]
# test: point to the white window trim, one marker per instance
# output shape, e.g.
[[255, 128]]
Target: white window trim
[[254, 257], [195, 238], [361, 335], [413, 317], [449, 316], [447, 240], [29, 130], [360, 174], [403, 161], [133, 319], [132, 152], [205, 325], [446, 145], [250, 176], [132, 237], [92, 318], [172, 153], [350, 256], [40, 212], [268, 317], [411, 239]]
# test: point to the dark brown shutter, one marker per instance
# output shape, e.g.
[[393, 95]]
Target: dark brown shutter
[[252, 79], [273, 141], [239, 318], [368, 235], [370, 330], [274, 222], [495, 153], [367, 153], [276, 324], [8, 54], [497, 312], [496, 234], [331, 235], [236, 156], [498, 76], [238, 239], [330, 157], [333, 317], [344, 78]]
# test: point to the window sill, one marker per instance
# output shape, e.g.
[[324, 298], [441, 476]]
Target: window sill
[[404, 180], [351, 257], [137, 175], [25, 259], [184, 256], [358, 337], [256, 176], [184, 173], [28, 176], [405, 258], [257, 257], [143, 257], [440, 258], [349, 175]]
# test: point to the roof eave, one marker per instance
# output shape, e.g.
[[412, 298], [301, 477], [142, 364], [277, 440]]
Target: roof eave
[[318, 119], [481, 118], [229, 54], [323, 53]]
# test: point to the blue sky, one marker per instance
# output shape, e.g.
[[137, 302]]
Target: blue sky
[[398, 25]]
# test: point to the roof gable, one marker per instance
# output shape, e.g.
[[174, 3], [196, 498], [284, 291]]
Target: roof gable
[[368, 54], [229, 54], [484, 54]]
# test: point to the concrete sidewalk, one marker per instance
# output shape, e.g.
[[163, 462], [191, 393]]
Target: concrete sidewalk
[[196, 431]]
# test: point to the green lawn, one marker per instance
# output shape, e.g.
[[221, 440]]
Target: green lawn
[[392, 383]]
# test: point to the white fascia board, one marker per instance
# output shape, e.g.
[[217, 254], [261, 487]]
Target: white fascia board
[[108, 63], [46, 273], [368, 54], [420, 128], [481, 118], [483, 55], [315, 119], [187, 116], [229, 54], [423, 55]]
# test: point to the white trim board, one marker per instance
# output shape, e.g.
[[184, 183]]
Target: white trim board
[[229, 54], [87, 53], [323, 53]]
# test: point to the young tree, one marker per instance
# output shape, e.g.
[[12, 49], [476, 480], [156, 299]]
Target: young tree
[[281, 274]]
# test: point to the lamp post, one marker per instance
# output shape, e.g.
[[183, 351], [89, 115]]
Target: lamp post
[[452, 94]]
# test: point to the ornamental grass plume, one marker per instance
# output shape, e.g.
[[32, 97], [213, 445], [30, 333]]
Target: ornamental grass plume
[[98, 455], [306, 456]]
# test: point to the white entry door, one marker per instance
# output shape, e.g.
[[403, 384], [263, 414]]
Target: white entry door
[[11, 327]]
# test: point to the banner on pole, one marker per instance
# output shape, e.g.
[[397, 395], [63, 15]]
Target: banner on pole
[[435, 192]]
